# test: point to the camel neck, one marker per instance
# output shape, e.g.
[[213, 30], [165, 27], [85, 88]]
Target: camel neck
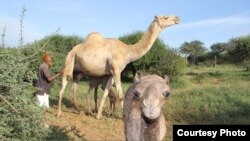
[[143, 46]]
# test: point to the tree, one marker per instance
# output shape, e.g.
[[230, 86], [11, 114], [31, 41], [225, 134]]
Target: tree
[[239, 50], [21, 118], [217, 49], [193, 49]]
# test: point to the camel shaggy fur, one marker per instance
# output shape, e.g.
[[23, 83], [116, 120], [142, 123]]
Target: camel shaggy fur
[[142, 111], [99, 56]]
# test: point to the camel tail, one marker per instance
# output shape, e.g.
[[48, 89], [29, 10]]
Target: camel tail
[[69, 64]]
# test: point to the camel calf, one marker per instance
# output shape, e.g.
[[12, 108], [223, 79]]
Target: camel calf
[[94, 82], [142, 111]]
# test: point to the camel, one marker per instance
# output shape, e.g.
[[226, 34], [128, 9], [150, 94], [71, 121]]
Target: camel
[[142, 111], [94, 82], [99, 56]]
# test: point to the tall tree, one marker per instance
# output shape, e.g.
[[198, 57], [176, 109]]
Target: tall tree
[[240, 49], [193, 49], [217, 49]]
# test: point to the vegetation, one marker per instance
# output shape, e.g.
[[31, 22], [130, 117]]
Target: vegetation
[[202, 95], [235, 51], [20, 118], [193, 50], [240, 49], [211, 96]]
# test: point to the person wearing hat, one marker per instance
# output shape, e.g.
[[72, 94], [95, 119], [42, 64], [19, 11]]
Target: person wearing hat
[[44, 79]]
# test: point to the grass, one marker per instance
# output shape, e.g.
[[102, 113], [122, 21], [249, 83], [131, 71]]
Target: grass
[[218, 95], [208, 95], [203, 95]]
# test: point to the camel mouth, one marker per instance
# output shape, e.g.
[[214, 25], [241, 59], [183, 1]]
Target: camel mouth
[[151, 113], [177, 20], [149, 120], [151, 108]]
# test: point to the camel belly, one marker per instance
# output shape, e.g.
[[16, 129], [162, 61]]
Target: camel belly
[[93, 66]]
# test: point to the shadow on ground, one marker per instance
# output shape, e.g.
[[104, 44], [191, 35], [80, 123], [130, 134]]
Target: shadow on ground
[[58, 133]]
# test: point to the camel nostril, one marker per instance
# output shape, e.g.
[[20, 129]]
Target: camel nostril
[[151, 103], [166, 94], [136, 94]]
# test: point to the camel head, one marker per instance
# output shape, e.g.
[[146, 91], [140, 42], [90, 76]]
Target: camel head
[[151, 92], [165, 21]]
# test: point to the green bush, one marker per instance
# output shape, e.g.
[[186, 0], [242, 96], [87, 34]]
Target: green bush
[[20, 118], [246, 64]]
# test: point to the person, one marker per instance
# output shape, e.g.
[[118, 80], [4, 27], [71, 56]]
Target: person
[[44, 79]]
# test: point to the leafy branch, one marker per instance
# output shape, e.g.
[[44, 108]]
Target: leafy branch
[[8, 103]]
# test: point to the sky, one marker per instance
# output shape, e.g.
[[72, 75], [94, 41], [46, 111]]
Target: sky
[[210, 21]]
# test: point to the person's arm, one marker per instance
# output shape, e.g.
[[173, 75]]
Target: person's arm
[[51, 78]]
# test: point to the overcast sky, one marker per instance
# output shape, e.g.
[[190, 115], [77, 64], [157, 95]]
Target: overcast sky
[[209, 21]]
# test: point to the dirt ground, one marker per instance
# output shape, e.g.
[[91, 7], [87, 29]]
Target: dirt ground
[[77, 126], [74, 126]]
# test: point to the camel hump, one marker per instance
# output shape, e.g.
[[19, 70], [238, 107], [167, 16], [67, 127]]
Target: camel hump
[[94, 36]]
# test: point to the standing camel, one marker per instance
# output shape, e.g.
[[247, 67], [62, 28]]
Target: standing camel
[[94, 82], [99, 56]]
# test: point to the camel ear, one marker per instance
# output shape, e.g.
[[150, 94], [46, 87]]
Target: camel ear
[[156, 17], [136, 78], [166, 78]]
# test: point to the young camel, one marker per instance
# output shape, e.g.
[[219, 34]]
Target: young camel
[[142, 111], [99, 56], [94, 82]]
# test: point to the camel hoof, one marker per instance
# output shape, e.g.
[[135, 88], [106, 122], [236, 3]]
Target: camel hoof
[[98, 116], [95, 111], [111, 114], [58, 115], [77, 108], [89, 113]]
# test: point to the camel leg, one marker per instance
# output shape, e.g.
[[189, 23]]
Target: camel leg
[[88, 98], [114, 106], [95, 98], [106, 91], [76, 79], [64, 83], [73, 95], [110, 106], [117, 79], [112, 100]]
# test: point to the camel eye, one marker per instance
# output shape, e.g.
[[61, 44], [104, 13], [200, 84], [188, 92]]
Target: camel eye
[[166, 94], [136, 94], [166, 17]]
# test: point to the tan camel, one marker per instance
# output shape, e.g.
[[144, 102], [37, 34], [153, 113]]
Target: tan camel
[[142, 111], [94, 82], [99, 56]]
